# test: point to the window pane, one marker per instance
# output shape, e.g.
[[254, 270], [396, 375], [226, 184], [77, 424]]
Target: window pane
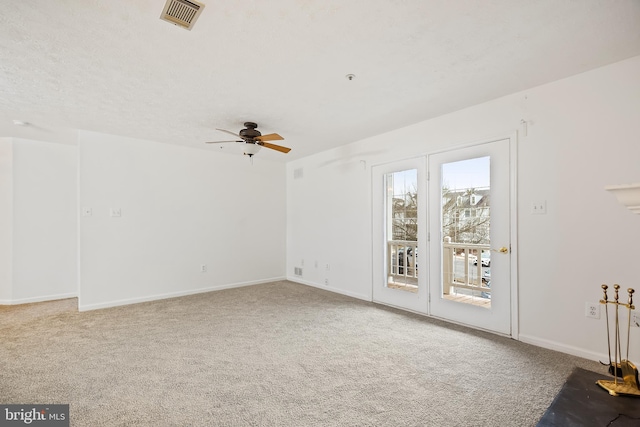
[[466, 199], [402, 229]]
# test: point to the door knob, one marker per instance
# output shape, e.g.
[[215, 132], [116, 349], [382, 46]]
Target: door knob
[[502, 250]]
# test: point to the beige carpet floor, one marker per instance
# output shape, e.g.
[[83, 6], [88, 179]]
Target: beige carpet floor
[[278, 354]]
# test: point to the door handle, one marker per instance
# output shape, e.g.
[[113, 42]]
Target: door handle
[[502, 250]]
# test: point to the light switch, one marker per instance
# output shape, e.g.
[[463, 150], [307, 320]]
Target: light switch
[[116, 212], [87, 211], [539, 207]]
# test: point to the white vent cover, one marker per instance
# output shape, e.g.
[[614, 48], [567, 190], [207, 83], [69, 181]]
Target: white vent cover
[[182, 13]]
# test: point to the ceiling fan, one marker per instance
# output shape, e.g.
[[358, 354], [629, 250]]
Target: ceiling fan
[[254, 140]]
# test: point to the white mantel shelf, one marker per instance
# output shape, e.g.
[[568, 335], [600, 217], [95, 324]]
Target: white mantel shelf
[[628, 195]]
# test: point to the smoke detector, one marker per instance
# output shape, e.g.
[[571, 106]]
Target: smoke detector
[[182, 13]]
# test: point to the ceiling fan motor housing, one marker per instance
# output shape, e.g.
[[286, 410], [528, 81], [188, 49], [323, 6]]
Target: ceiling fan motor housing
[[250, 133]]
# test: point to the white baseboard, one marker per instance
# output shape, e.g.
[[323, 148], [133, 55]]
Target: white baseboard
[[568, 349], [38, 299], [128, 301], [330, 289]]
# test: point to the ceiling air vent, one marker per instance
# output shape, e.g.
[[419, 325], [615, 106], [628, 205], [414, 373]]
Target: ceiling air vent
[[182, 13]]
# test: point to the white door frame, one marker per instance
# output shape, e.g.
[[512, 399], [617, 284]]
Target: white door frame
[[513, 153]]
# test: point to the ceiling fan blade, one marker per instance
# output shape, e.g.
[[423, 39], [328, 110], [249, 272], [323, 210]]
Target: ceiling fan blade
[[219, 142], [270, 137], [229, 132], [279, 148]]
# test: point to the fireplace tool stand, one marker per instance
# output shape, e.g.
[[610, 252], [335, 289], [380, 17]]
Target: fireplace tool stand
[[619, 367]]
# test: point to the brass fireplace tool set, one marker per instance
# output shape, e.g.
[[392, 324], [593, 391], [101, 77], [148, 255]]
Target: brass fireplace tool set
[[619, 367]]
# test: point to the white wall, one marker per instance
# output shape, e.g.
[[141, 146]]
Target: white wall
[[329, 223], [582, 136], [39, 222], [6, 218], [181, 208]]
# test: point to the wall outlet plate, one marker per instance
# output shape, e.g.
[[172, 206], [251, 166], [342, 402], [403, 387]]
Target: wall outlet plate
[[592, 310]]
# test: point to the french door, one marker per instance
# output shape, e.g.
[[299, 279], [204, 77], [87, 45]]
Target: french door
[[470, 235], [443, 233], [399, 234]]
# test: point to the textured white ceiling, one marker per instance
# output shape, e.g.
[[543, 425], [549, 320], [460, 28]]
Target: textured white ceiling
[[115, 67]]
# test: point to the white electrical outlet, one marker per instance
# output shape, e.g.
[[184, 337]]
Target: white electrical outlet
[[326, 282], [592, 310], [203, 268]]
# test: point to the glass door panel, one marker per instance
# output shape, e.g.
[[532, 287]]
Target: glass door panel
[[401, 205], [399, 221], [466, 218]]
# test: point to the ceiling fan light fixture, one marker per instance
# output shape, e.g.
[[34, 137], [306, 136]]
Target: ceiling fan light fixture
[[250, 149]]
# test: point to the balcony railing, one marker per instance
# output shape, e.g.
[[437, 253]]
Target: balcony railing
[[463, 269], [402, 258], [462, 265]]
